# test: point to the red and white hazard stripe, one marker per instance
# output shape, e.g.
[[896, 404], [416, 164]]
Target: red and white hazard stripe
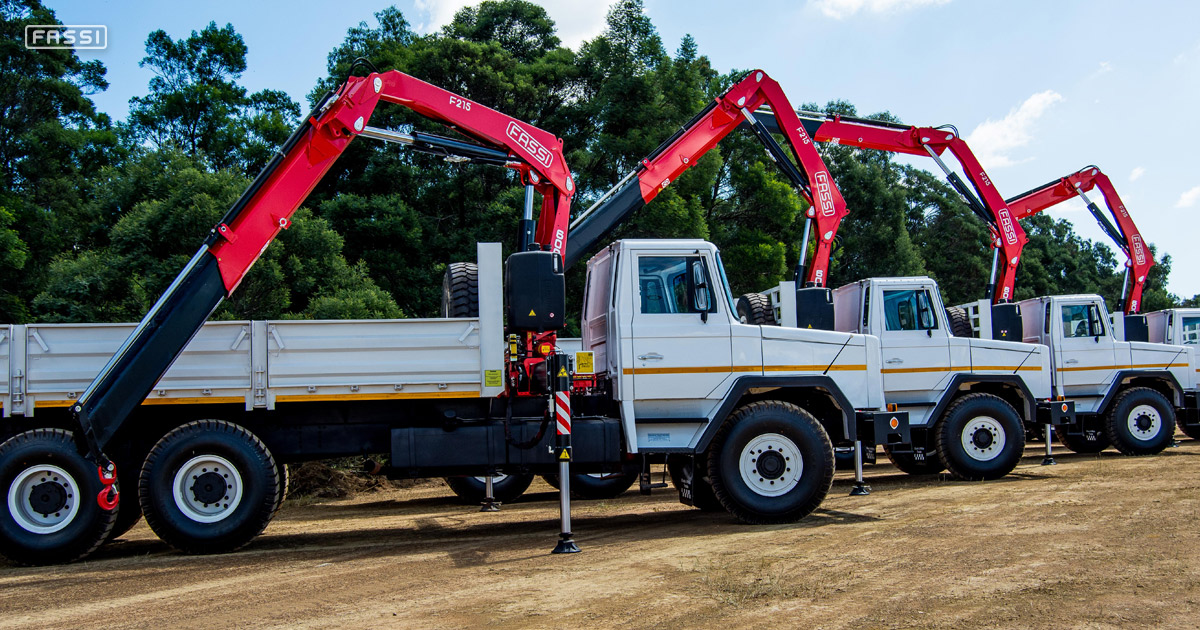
[[562, 412]]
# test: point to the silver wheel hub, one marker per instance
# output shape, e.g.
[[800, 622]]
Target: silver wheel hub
[[207, 489], [983, 438], [771, 465], [1144, 422], [43, 499]]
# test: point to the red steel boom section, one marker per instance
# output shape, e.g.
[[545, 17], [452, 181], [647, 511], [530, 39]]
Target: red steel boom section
[[536, 154], [709, 127], [1125, 233], [1007, 235]]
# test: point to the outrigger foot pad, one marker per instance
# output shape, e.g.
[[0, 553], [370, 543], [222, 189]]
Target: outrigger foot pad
[[860, 489], [566, 544], [1049, 461], [490, 506]]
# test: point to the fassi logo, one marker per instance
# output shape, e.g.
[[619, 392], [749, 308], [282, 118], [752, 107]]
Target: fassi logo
[[1139, 250], [1006, 224], [824, 194], [538, 152]]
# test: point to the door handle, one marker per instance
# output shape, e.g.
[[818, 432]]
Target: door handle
[[1071, 361], [652, 356], [894, 361]]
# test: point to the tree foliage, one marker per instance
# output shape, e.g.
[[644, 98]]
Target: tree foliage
[[96, 219]]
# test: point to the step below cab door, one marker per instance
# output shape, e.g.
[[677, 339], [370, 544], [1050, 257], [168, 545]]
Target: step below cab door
[[681, 335]]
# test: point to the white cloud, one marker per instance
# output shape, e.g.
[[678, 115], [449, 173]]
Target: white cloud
[[1188, 198], [992, 140], [1137, 173], [574, 20], [839, 9], [1105, 68]]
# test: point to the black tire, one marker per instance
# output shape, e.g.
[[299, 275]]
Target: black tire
[[680, 469], [129, 511], [995, 433], [460, 290], [744, 478], [1082, 443], [755, 308], [596, 486], [959, 321], [1192, 431], [285, 480], [907, 462], [31, 537], [225, 463], [505, 488], [1140, 421]]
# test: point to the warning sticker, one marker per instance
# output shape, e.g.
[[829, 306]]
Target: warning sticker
[[562, 372], [493, 378], [585, 363]]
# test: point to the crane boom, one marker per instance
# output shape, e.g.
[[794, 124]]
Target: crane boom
[[1125, 234], [266, 208]]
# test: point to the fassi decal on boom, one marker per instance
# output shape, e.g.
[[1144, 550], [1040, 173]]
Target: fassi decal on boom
[[536, 151], [1139, 252], [824, 196]]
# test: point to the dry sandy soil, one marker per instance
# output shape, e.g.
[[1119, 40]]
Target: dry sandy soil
[[1095, 542]]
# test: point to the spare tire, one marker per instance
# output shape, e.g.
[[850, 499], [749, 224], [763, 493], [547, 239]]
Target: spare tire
[[960, 322], [460, 290], [755, 308]]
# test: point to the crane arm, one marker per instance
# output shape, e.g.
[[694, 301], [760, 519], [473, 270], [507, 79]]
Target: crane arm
[[679, 152], [985, 201], [1125, 233], [266, 208]]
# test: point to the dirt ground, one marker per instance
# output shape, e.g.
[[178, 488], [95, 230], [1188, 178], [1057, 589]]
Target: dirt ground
[[1095, 542]]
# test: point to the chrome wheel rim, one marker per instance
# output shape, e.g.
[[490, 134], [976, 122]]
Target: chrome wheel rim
[[771, 465]]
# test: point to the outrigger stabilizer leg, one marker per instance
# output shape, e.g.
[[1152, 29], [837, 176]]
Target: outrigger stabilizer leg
[[561, 408], [1048, 460], [860, 489], [490, 504]]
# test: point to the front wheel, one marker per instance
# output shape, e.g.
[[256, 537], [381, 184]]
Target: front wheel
[[505, 488], [51, 513], [209, 486], [980, 437], [1140, 422], [771, 462]]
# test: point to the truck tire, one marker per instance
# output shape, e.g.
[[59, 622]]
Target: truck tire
[[770, 462], [596, 486], [959, 321], [1192, 431], [51, 514], [755, 308], [209, 486], [460, 290], [506, 488], [980, 437], [285, 479], [703, 497], [1081, 443], [129, 511], [907, 463], [1140, 422]]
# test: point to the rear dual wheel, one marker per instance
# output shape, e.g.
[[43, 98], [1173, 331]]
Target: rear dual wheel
[[1140, 422]]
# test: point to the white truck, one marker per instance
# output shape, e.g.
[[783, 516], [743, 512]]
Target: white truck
[[970, 401]]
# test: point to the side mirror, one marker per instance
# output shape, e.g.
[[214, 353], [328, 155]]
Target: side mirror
[[700, 298]]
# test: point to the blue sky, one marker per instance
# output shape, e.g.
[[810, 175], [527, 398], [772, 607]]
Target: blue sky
[[1040, 89]]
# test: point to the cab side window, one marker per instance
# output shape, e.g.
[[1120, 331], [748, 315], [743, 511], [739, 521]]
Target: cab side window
[[910, 309], [1081, 320], [668, 284]]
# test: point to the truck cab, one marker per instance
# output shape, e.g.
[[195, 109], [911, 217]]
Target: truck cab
[[970, 400], [1107, 376], [665, 341]]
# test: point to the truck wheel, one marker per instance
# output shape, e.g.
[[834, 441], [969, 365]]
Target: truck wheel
[[596, 486], [51, 513], [755, 308], [703, 497], [460, 290], [506, 488], [1192, 431], [960, 322], [129, 511], [908, 463], [285, 479], [209, 486], [1082, 443], [771, 462], [1140, 422], [980, 437]]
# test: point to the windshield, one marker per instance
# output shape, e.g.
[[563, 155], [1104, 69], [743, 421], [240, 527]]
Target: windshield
[[725, 283]]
